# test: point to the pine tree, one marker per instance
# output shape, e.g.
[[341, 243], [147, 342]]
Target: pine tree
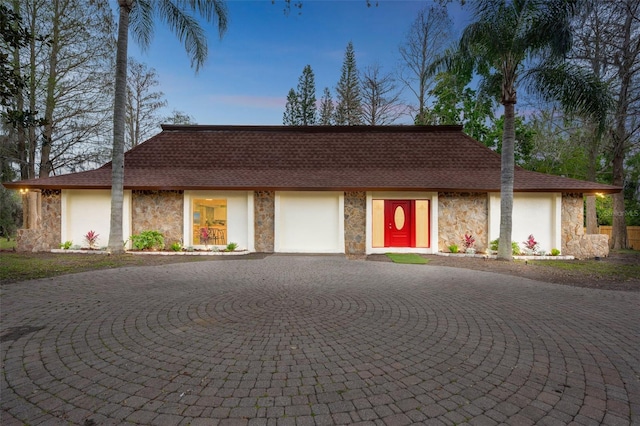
[[326, 108], [307, 97], [292, 110], [349, 109]]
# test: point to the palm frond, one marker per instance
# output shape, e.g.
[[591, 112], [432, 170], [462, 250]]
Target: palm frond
[[141, 22], [212, 11], [577, 89], [187, 29]]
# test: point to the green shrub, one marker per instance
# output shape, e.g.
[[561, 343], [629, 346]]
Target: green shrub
[[66, 245], [231, 246], [453, 248], [515, 248], [176, 246], [555, 252], [148, 240]]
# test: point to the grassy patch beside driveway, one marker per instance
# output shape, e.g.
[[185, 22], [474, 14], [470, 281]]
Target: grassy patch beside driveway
[[594, 267], [408, 258], [26, 266]]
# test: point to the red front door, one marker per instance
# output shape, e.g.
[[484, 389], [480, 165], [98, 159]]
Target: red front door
[[399, 223]]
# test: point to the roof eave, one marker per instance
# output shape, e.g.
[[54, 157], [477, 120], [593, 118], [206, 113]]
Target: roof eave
[[591, 191]]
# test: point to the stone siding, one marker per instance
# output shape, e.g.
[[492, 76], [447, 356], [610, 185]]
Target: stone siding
[[574, 241], [160, 211], [44, 233], [264, 211], [460, 213], [355, 223]]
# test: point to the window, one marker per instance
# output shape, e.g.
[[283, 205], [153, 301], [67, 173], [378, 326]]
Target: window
[[209, 222]]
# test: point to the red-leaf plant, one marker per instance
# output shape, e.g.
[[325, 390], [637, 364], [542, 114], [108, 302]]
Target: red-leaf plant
[[531, 243], [204, 235], [91, 238], [468, 241]]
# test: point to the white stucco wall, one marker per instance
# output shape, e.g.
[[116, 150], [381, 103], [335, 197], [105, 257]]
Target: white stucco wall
[[240, 227], [309, 222], [533, 213], [85, 210], [433, 221]]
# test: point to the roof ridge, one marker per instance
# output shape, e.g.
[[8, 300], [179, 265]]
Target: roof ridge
[[309, 129]]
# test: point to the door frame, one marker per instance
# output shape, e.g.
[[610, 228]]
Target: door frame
[[399, 195]]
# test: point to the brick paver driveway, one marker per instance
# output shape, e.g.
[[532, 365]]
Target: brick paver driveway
[[313, 340]]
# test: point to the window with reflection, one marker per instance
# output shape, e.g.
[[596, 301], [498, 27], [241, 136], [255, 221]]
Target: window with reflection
[[209, 221]]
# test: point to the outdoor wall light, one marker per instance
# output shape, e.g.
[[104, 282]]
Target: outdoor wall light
[[23, 191]]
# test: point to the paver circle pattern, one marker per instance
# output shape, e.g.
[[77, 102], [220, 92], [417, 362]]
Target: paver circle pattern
[[315, 340]]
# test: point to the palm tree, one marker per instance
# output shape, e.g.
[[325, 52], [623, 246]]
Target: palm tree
[[515, 42], [177, 15]]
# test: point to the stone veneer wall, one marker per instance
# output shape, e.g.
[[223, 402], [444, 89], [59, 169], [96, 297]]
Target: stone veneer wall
[[355, 223], [574, 241], [46, 233], [264, 211], [460, 213], [161, 211]]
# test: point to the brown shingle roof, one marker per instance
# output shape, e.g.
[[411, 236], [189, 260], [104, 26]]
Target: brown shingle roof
[[430, 158]]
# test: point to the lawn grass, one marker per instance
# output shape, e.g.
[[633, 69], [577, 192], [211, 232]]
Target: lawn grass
[[7, 244], [407, 258], [593, 267], [26, 266]]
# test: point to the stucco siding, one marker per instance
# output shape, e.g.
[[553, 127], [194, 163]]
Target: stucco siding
[[85, 210], [309, 222], [537, 214]]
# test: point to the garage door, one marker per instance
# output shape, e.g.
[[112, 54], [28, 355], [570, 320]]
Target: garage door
[[309, 222]]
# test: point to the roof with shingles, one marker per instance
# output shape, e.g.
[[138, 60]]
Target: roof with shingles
[[426, 158]]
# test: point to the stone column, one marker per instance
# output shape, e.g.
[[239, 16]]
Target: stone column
[[42, 216], [355, 223], [574, 241], [264, 213]]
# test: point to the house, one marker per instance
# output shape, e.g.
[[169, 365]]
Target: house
[[318, 189]]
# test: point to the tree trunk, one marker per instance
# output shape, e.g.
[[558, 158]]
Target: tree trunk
[[32, 139], [47, 136], [619, 229], [591, 216], [20, 131], [506, 182], [116, 240], [630, 49]]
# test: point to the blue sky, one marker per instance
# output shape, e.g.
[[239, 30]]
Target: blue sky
[[249, 72]]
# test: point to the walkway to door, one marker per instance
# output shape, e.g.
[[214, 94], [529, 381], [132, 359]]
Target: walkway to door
[[315, 340]]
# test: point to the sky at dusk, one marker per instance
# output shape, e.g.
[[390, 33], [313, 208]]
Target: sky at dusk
[[250, 70]]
